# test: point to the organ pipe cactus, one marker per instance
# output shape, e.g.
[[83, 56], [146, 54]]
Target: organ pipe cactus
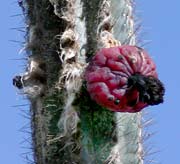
[[67, 125]]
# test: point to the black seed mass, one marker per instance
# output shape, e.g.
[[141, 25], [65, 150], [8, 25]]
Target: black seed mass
[[151, 89]]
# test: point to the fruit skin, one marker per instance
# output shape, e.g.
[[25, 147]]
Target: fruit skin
[[123, 79]]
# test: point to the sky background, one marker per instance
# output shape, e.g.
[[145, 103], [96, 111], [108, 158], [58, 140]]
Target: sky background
[[159, 24]]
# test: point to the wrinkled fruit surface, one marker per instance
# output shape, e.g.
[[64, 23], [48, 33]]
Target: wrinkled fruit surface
[[123, 79]]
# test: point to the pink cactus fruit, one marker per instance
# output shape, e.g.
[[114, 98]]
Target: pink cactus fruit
[[123, 79]]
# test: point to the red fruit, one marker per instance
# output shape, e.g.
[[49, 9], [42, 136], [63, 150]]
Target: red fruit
[[123, 79]]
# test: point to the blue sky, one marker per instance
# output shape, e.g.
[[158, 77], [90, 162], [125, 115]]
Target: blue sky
[[159, 24]]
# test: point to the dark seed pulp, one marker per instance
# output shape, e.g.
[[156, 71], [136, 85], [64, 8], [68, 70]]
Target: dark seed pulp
[[151, 90]]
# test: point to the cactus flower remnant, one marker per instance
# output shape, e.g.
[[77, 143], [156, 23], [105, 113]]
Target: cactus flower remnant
[[123, 79]]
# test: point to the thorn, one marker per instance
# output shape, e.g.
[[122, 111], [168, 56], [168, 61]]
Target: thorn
[[16, 28], [18, 59], [16, 41], [15, 106], [16, 15], [146, 136], [24, 116], [26, 140], [148, 122]]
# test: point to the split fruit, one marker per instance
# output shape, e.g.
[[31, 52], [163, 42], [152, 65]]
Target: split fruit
[[123, 79]]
